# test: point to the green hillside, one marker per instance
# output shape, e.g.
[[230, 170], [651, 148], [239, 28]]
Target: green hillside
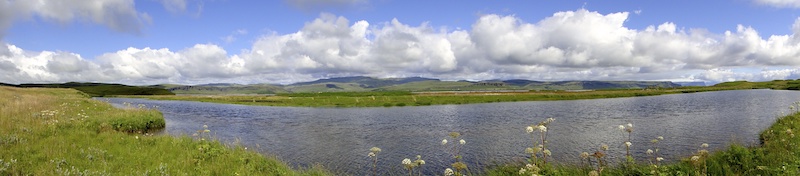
[[102, 89], [414, 84]]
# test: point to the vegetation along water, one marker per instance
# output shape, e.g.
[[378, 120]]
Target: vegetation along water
[[62, 132]]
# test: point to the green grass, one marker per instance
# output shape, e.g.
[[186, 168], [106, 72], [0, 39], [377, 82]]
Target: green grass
[[63, 132], [377, 99], [103, 89], [398, 98], [779, 154]]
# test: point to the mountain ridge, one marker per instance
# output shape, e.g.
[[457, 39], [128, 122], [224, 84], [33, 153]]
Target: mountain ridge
[[365, 83]]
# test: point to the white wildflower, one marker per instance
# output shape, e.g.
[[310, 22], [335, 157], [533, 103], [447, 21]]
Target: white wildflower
[[371, 154], [585, 155], [621, 127], [529, 129], [462, 142], [649, 152], [444, 141], [542, 128], [448, 172], [704, 145], [695, 158], [375, 150], [630, 125], [406, 161], [660, 137], [659, 159], [628, 144], [546, 152]]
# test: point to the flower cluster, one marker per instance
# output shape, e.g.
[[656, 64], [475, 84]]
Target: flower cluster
[[455, 149], [699, 159], [373, 153], [540, 146], [627, 129], [409, 165]]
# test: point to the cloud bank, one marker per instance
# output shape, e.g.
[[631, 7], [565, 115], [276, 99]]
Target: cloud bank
[[570, 45], [119, 15]]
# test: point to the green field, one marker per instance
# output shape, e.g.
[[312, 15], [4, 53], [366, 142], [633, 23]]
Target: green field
[[405, 98], [45, 131], [63, 132]]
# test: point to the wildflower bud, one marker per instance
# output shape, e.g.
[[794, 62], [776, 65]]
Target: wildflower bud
[[621, 127], [444, 141], [205, 126], [659, 159], [462, 142], [531, 166], [529, 129], [584, 155], [660, 138], [630, 125], [421, 162], [375, 150], [594, 173], [604, 147], [529, 150]]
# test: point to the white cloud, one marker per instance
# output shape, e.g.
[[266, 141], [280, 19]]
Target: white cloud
[[780, 3], [572, 45], [174, 6], [119, 15], [233, 36]]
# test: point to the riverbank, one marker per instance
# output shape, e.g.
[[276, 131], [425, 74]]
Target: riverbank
[[778, 154], [45, 131], [389, 99]]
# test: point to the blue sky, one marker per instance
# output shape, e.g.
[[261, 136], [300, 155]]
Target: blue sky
[[207, 41]]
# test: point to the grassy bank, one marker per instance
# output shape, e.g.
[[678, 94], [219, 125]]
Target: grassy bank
[[63, 132], [401, 98], [388, 99], [778, 154]]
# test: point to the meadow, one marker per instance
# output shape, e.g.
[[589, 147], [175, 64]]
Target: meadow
[[64, 132], [400, 98], [45, 131]]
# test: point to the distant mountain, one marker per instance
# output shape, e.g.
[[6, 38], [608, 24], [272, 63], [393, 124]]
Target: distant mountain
[[363, 84], [366, 82]]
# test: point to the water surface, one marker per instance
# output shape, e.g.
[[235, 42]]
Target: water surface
[[340, 138]]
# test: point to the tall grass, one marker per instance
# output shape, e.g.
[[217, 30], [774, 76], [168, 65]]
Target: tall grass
[[63, 132]]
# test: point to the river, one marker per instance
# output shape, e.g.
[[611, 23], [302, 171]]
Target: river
[[340, 138]]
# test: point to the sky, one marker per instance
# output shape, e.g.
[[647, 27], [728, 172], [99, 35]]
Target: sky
[[145, 42]]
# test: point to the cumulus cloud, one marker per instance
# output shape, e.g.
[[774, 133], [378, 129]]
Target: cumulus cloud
[[119, 15], [780, 3], [571, 45]]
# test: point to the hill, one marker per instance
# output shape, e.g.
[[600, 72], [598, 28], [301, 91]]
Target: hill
[[413, 84], [101, 89]]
